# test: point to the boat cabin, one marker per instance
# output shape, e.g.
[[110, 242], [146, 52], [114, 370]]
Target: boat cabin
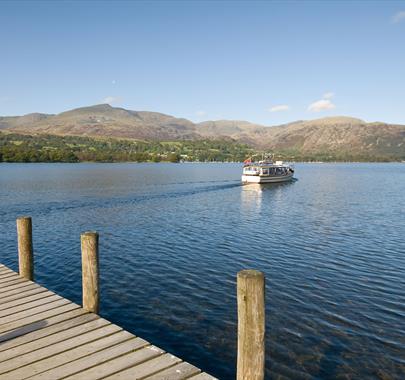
[[266, 170]]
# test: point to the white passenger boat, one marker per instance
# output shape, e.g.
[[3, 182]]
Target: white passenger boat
[[266, 171]]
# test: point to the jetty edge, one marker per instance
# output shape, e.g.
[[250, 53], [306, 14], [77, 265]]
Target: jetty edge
[[45, 336]]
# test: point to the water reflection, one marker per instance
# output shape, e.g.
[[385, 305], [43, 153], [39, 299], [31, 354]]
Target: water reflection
[[251, 197]]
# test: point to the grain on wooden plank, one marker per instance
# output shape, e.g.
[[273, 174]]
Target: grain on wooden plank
[[7, 305], [51, 351], [21, 297], [11, 277], [3, 267], [14, 281], [7, 276], [4, 276], [10, 283], [21, 283], [203, 376], [80, 352], [178, 372], [19, 290], [8, 272], [149, 367], [54, 338], [118, 364], [35, 310], [44, 327], [68, 356], [16, 309], [7, 269], [37, 317], [93, 359]]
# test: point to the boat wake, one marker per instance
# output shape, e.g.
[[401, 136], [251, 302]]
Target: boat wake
[[187, 189]]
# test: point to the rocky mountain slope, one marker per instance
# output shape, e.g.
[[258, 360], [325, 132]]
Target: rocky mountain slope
[[341, 136], [104, 120]]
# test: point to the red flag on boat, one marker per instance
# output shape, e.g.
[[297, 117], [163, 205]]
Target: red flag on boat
[[247, 161]]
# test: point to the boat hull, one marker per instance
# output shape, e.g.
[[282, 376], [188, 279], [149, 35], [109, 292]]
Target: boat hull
[[266, 179]]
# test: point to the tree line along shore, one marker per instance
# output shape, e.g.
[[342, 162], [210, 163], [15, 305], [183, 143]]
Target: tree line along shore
[[53, 148]]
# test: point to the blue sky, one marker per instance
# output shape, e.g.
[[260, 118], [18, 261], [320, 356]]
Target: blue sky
[[266, 62]]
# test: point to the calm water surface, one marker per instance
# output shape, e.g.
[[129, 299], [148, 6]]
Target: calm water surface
[[173, 237]]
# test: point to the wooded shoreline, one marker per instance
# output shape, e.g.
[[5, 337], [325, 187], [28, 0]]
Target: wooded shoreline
[[52, 148]]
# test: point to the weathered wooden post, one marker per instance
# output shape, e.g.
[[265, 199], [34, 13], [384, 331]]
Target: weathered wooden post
[[251, 325], [25, 251], [90, 271]]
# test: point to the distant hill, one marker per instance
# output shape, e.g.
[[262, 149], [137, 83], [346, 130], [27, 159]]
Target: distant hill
[[340, 137], [106, 121]]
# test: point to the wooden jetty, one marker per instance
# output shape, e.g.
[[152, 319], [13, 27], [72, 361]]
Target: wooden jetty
[[45, 336]]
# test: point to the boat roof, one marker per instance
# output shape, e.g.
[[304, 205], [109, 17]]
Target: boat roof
[[267, 163]]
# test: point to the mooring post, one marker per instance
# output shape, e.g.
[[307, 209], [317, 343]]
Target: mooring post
[[90, 271], [25, 251], [251, 325]]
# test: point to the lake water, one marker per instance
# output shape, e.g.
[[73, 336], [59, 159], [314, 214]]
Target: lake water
[[173, 237]]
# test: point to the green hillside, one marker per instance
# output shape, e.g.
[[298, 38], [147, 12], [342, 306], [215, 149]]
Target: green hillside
[[50, 148]]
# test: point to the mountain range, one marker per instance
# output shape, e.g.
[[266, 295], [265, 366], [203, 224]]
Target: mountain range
[[339, 136]]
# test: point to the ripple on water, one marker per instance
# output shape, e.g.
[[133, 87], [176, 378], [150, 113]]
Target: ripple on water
[[172, 238]]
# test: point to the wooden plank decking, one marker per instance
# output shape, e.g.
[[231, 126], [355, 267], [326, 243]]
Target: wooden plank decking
[[44, 336]]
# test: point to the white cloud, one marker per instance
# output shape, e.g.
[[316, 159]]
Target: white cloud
[[279, 108], [201, 113], [321, 105], [112, 100], [328, 95], [398, 17]]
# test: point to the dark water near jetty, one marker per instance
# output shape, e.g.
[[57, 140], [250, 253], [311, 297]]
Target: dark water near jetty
[[173, 237]]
